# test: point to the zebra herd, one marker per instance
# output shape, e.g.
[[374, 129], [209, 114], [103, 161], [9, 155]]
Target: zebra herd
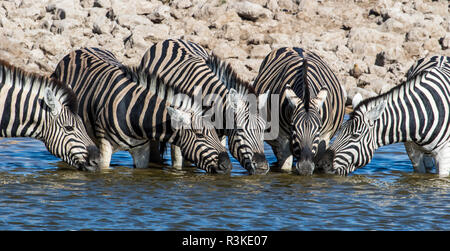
[[93, 105]]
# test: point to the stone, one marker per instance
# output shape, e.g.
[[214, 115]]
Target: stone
[[226, 51], [364, 93], [130, 21], [367, 41], [251, 11], [272, 5], [159, 14], [413, 48], [152, 32], [182, 4], [260, 51], [54, 45], [445, 41], [432, 45], [102, 3], [377, 70], [417, 34]]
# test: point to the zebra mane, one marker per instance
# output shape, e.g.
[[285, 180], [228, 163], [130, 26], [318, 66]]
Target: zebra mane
[[422, 66], [306, 92], [63, 92], [157, 85], [366, 102], [228, 76]]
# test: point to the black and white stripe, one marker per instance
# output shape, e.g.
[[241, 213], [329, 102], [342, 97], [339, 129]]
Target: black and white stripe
[[311, 105], [416, 112], [121, 114], [188, 66], [43, 108]]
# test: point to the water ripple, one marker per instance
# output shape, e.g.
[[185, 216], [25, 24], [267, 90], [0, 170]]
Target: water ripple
[[38, 192]]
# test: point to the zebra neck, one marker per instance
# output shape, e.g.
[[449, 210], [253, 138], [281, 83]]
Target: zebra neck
[[397, 122], [228, 76], [21, 111]]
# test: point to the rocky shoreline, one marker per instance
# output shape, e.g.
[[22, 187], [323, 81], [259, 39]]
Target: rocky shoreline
[[368, 44]]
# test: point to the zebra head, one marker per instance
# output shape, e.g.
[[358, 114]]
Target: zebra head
[[306, 126], [246, 139], [355, 142], [64, 133], [198, 140]]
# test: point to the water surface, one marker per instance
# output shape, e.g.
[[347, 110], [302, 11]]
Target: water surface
[[38, 192]]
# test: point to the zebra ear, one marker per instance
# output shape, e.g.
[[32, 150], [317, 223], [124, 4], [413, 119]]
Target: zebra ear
[[51, 101], [179, 117], [235, 99], [376, 112], [292, 97], [321, 97], [356, 100], [262, 100]]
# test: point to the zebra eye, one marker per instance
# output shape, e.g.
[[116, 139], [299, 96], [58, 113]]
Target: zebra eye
[[199, 135], [355, 135], [69, 128]]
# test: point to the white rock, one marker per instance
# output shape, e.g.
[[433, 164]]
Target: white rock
[[130, 21], [225, 50], [251, 11], [364, 93], [445, 41], [182, 4], [152, 32], [159, 14], [260, 51]]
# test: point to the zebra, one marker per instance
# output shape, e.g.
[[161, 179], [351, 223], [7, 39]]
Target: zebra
[[415, 112], [43, 108], [121, 114], [187, 65], [311, 105]]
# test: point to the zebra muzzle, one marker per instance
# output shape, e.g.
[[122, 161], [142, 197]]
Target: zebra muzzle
[[93, 159], [259, 164], [324, 162], [224, 165], [305, 167]]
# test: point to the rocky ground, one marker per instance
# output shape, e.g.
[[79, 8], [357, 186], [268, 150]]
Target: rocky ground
[[369, 44]]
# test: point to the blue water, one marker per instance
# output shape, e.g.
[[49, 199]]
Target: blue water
[[38, 192]]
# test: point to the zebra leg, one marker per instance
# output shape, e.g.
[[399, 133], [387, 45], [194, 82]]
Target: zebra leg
[[443, 161], [177, 157], [141, 155], [421, 161], [155, 148], [105, 153], [281, 147]]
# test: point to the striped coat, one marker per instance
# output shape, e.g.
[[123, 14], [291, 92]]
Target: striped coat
[[121, 114], [188, 67], [311, 105], [43, 108], [416, 112]]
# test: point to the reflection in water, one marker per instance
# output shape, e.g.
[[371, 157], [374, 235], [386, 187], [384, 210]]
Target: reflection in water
[[40, 192]]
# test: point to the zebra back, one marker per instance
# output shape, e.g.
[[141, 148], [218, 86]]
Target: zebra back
[[127, 114], [188, 66], [303, 80], [426, 64], [415, 111]]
